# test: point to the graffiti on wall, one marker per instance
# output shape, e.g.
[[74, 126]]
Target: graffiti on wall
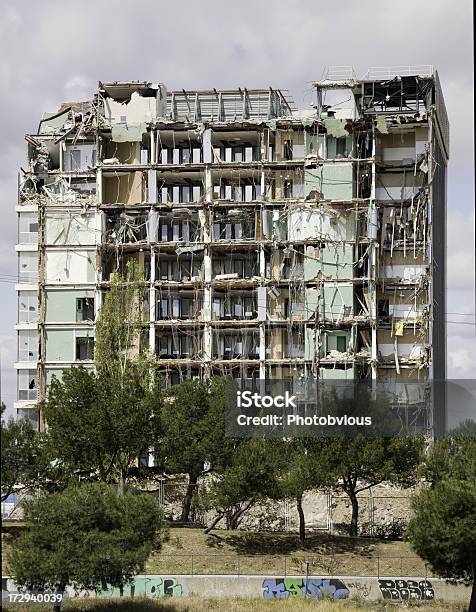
[[143, 586], [277, 588], [406, 589]]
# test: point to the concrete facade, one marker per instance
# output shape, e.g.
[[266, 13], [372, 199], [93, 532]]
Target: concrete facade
[[275, 242]]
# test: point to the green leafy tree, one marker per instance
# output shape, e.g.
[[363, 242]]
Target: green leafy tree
[[253, 475], [98, 427], [193, 440], [86, 536], [359, 463], [24, 462], [443, 529], [101, 422], [118, 325], [305, 469]]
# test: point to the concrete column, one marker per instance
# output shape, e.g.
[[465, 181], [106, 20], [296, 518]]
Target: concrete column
[[207, 305], [262, 261], [152, 304], [262, 350], [373, 266], [153, 148]]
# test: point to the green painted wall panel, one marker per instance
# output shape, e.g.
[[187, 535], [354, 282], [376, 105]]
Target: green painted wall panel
[[61, 305]]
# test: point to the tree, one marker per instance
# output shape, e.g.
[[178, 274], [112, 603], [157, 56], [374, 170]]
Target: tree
[[101, 422], [23, 459], [359, 463], [305, 469], [252, 476], [99, 426], [193, 438], [443, 529], [86, 536]]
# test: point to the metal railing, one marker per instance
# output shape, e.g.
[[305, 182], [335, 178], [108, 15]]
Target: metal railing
[[335, 564], [389, 72], [339, 73]]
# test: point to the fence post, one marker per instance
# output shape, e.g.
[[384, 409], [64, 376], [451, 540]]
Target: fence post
[[192, 565], [285, 566], [378, 566]]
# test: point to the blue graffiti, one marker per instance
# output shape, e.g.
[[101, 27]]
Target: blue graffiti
[[278, 588]]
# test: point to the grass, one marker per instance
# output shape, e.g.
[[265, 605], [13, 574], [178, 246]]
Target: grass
[[192, 604], [275, 553], [190, 551]]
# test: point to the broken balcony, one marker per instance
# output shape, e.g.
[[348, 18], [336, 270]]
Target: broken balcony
[[284, 186], [186, 305], [234, 305], [242, 344], [127, 144], [112, 264], [180, 190], [123, 187], [235, 266], [243, 189], [181, 268], [178, 345], [177, 147], [236, 147], [126, 228], [236, 225], [175, 227], [285, 343]]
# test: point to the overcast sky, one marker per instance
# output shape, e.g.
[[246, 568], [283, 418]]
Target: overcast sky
[[57, 51]]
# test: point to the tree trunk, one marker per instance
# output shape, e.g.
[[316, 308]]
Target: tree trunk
[[472, 601], [237, 515], [187, 500], [302, 522], [214, 522], [355, 513], [120, 484]]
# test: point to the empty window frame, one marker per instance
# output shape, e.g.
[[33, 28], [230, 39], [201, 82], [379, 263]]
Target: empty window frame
[[288, 150], [177, 230], [236, 345], [27, 385], [341, 342], [245, 267], [75, 159], [383, 308], [234, 307], [234, 228], [84, 309], [84, 349], [180, 194], [341, 147], [178, 346], [175, 308], [178, 270]]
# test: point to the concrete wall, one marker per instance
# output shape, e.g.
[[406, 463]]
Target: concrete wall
[[70, 266], [280, 587], [72, 229], [61, 304]]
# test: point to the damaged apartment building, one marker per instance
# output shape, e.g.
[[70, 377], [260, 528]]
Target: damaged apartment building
[[275, 242]]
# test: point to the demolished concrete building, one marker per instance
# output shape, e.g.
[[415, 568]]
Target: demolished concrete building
[[275, 242]]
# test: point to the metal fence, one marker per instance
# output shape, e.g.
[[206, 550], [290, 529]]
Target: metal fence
[[337, 564]]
